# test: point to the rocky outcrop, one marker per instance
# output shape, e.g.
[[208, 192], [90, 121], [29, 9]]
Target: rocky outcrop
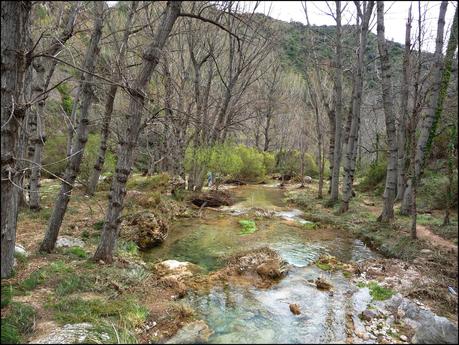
[[146, 229], [20, 250], [428, 327], [79, 333], [261, 267]]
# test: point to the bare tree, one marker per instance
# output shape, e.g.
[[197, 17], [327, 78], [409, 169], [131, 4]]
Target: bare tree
[[105, 130], [350, 154], [402, 131], [427, 123], [75, 159], [150, 60], [386, 83], [15, 37]]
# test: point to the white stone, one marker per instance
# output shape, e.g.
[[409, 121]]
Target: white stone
[[67, 241], [403, 338], [19, 249]]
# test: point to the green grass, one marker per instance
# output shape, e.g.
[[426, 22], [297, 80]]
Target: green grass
[[72, 283], [18, 322], [77, 251], [377, 292], [99, 225], [128, 247], [248, 227], [7, 293]]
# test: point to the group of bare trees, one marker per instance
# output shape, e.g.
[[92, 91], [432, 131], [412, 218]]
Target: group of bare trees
[[423, 90], [167, 76]]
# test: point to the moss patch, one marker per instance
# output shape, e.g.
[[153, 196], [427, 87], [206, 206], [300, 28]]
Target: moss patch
[[248, 227]]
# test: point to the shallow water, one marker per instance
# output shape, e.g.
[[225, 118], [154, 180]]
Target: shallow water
[[250, 315]]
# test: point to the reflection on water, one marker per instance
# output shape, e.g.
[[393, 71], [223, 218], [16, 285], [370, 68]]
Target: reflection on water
[[250, 315]]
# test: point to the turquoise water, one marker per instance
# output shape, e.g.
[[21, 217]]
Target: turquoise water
[[250, 315]]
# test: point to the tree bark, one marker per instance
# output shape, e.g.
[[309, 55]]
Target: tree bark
[[338, 109], [105, 130], [78, 146], [14, 42], [350, 156], [435, 103], [386, 83], [128, 142]]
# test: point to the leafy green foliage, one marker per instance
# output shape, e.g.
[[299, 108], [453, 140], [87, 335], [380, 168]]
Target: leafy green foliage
[[379, 293], [55, 151], [290, 163], [252, 163], [432, 191], [375, 175], [155, 183], [248, 227]]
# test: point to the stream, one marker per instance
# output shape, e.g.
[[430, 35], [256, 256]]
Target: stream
[[250, 315]]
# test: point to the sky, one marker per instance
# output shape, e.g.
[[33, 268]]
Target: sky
[[395, 18]]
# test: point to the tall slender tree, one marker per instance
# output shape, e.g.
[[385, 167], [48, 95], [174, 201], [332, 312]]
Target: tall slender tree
[[79, 144], [15, 26], [387, 95]]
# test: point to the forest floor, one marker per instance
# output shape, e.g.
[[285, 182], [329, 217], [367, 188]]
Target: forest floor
[[128, 301]]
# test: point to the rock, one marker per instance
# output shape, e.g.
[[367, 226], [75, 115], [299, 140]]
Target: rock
[[426, 251], [193, 333], [20, 250], [322, 284], [367, 315], [79, 333], [365, 336], [403, 338], [146, 229], [67, 241], [295, 309], [368, 203], [308, 179], [269, 270], [177, 269]]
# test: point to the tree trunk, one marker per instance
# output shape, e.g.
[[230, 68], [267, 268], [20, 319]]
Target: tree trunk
[[105, 130], [128, 142], [402, 132], [435, 106], [73, 167], [350, 156], [449, 188], [14, 33], [386, 83], [338, 110]]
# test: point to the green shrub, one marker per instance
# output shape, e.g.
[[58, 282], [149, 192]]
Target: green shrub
[[269, 161], [374, 176], [432, 191], [252, 163], [156, 183], [289, 163], [55, 151]]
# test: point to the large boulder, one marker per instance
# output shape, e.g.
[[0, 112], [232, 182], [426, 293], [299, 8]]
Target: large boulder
[[146, 229]]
